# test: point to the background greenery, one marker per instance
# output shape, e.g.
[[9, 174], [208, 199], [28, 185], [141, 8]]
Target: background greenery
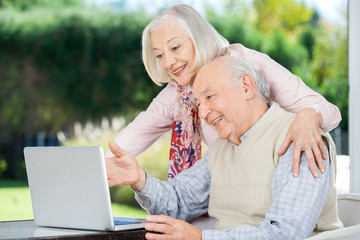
[[67, 61]]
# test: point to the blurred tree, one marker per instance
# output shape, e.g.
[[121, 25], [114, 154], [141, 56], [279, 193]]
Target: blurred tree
[[286, 51], [288, 15], [308, 37], [24, 5], [266, 15], [60, 65], [329, 67]]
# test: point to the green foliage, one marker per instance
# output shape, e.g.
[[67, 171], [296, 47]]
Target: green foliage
[[237, 29], [289, 54], [307, 39], [329, 68], [24, 5], [82, 63], [74, 63], [289, 15], [286, 51]]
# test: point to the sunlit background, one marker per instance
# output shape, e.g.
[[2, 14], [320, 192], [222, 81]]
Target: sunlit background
[[71, 74]]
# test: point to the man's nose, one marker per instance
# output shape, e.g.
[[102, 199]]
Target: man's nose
[[203, 111]]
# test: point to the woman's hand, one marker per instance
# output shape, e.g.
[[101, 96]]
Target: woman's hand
[[123, 169], [304, 132], [164, 227]]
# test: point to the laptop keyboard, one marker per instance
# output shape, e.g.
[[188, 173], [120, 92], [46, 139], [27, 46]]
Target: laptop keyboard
[[124, 221]]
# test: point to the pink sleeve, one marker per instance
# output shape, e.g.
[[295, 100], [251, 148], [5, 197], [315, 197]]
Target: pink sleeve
[[288, 90], [149, 125]]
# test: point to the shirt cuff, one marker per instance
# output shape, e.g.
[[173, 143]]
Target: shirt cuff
[[147, 189], [316, 107]]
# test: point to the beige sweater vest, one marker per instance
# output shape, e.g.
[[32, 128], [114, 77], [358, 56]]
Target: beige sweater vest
[[241, 176]]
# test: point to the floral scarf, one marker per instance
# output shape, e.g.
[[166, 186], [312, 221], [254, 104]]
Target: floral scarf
[[185, 148]]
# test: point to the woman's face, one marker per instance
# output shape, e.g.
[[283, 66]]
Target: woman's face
[[174, 51]]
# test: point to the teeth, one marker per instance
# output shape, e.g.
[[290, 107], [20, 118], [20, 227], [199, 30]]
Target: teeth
[[217, 120], [179, 70]]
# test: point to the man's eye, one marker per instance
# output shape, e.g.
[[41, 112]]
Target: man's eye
[[210, 97], [175, 48]]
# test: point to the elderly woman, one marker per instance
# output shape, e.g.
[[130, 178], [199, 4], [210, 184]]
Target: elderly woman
[[175, 45]]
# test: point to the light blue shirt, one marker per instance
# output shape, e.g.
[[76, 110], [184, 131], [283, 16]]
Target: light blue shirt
[[297, 202]]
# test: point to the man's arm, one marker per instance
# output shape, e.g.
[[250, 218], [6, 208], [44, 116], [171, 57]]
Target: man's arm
[[184, 197], [297, 204]]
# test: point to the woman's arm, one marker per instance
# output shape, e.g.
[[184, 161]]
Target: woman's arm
[[149, 125], [313, 111], [287, 89]]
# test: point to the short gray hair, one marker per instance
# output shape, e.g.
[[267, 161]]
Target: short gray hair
[[208, 43], [237, 67]]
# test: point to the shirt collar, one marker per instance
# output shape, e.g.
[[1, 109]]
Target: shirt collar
[[271, 106]]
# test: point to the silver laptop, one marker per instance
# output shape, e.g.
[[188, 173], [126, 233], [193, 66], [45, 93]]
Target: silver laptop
[[69, 189]]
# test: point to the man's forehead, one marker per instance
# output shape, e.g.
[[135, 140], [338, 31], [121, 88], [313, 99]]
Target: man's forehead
[[201, 83], [211, 75]]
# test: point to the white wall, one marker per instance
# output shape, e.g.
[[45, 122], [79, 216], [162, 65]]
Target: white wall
[[354, 94]]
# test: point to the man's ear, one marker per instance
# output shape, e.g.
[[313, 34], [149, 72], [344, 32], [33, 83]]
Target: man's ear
[[248, 85]]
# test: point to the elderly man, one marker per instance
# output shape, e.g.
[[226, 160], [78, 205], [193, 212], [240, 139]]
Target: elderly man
[[241, 182]]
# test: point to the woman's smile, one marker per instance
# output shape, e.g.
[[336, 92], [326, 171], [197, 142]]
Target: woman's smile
[[174, 51], [177, 72]]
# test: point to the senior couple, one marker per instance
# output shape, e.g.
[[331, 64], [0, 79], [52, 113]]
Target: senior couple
[[249, 180], [241, 181]]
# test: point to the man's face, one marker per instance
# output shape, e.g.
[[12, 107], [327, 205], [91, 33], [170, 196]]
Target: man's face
[[221, 104]]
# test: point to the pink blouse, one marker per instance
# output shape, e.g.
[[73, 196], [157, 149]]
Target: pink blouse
[[286, 89]]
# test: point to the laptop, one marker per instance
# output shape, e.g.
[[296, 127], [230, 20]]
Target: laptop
[[69, 189]]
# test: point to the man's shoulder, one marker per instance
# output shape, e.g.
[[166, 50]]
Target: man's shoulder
[[282, 112], [278, 120]]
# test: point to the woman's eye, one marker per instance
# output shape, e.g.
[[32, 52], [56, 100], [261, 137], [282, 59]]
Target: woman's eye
[[209, 97], [158, 56], [175, 48]]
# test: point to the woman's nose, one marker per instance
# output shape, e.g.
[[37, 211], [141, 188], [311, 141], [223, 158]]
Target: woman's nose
[[169, 61]]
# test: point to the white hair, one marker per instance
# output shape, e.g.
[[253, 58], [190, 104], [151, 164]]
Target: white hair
[[208, 43], [237, 67]]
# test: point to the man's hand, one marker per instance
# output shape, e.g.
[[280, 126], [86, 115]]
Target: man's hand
[[123, 169], [164, 227], [304, 132]]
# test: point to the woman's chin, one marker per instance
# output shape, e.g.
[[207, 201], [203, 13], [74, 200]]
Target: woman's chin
[[184, 80]]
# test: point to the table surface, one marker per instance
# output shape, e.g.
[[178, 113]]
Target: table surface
[[26, 229]]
